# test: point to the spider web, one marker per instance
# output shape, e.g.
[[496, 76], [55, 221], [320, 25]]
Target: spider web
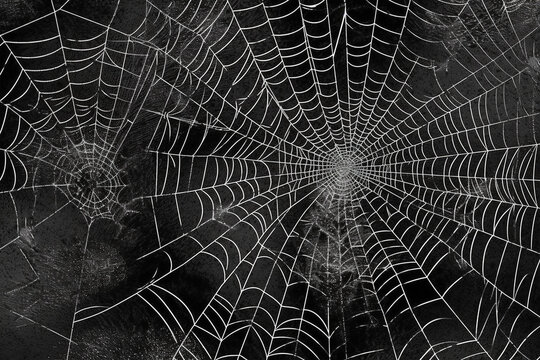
[[270, 179]]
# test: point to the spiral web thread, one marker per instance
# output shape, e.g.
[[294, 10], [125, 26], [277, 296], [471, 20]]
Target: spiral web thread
[[333, 160]]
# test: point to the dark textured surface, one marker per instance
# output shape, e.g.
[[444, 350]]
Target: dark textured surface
[[246, 179]]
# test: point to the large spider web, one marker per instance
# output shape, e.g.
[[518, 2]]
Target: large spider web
[[270, 179]]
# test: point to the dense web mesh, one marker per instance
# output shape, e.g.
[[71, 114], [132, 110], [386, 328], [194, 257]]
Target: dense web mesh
[[270, 179]]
